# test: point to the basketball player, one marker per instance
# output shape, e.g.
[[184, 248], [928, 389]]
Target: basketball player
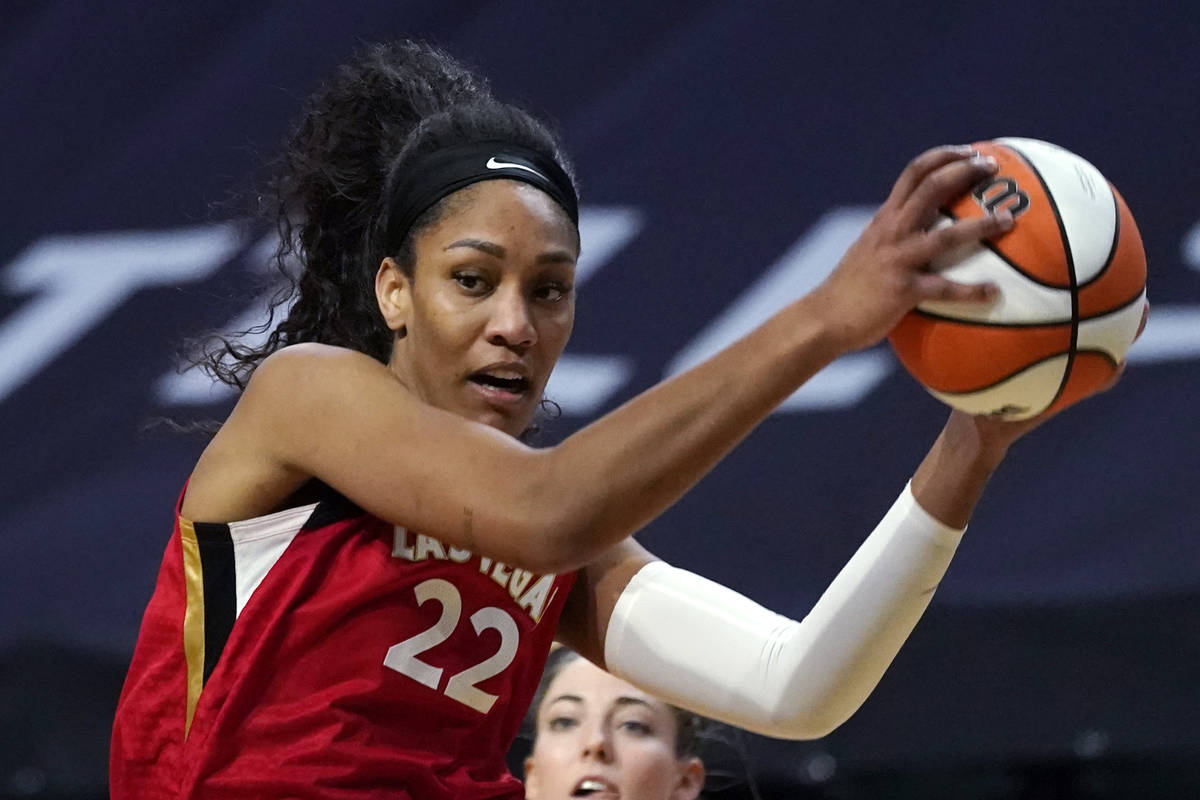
[[368, 565], [595, 735]]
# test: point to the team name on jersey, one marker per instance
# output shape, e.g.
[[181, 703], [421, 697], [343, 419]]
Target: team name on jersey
[[532, 593]]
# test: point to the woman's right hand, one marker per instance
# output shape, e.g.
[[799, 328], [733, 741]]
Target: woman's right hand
[[885, 273]]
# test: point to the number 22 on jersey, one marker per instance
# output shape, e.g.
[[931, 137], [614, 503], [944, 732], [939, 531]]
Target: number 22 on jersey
[[461, 686]]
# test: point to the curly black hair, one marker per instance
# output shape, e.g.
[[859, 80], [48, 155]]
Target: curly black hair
[[326, 193]]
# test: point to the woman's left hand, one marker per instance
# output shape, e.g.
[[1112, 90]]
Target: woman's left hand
[[997, 435], [950, 479]]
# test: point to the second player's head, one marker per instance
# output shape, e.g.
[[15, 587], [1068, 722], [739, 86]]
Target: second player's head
[[597, 736]]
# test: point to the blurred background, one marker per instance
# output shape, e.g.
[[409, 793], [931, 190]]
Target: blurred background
[[728, 153]]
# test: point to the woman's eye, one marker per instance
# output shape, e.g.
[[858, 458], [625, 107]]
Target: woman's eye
[[552, 292], [560, 723], [469, 281], [640, 728]]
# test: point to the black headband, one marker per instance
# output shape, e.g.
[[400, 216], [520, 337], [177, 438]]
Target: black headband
[[445, 171]]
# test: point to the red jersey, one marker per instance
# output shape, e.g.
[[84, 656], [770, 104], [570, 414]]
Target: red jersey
[[320, 652]]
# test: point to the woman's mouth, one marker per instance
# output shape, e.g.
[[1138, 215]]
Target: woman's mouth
[[501, 387], [511, 385], [595, 788]]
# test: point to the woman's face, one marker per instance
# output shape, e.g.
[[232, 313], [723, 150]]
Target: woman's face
[[491, 304], [602, 738]]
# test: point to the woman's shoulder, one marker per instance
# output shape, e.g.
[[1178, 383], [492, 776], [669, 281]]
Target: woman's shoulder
[[306, 356], [311, 369], [311, 385], [294, 396]]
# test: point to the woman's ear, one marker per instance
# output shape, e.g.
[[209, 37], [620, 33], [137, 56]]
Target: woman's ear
[[393, 292], [691, 780]]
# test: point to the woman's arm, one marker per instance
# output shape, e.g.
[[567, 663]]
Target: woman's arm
[[727, 657], [707, 648], [314, 411]]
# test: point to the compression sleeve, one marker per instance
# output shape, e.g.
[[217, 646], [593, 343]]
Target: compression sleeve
[[702, 646]]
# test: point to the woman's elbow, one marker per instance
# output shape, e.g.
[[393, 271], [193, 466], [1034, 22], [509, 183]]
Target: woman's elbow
[[804, 719], [551, 523], [799, 729], [552, 544]]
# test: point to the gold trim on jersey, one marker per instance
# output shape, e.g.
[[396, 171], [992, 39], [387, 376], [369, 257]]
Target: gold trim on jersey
[[193, 618]]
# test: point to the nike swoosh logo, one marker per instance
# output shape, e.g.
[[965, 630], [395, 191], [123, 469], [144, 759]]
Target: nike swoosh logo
[[492, 163]]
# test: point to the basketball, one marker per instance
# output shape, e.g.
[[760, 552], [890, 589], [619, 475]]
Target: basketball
[[1072, 279]]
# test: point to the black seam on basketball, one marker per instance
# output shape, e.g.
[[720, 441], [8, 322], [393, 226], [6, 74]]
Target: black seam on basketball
[[1017, 267], [984, 323], [1009, 376], [996, 252], [974, 323], [1107, 356], [1112, 250], [1102, 353], [1118, 307], [1072, 278]]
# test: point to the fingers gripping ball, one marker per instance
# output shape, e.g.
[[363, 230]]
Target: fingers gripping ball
[[1072, 278]]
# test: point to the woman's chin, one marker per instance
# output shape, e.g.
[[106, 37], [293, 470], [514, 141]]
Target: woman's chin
[[509, 412], [514, 423]]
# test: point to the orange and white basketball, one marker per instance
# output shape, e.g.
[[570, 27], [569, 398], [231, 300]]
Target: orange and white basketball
[[1072, 278]]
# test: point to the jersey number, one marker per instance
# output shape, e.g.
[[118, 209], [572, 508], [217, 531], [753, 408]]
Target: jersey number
[[402, 657]]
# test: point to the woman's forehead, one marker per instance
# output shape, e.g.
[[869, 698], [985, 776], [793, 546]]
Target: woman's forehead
[[583, 682], [506, 209]]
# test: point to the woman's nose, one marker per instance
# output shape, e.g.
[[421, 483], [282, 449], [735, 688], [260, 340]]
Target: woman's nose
[[511, 324], [597, 745]]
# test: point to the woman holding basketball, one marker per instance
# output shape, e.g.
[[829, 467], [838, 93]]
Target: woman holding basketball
[[368, 565]]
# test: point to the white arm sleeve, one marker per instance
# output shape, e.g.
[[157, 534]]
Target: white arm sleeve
[[702, 646]]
